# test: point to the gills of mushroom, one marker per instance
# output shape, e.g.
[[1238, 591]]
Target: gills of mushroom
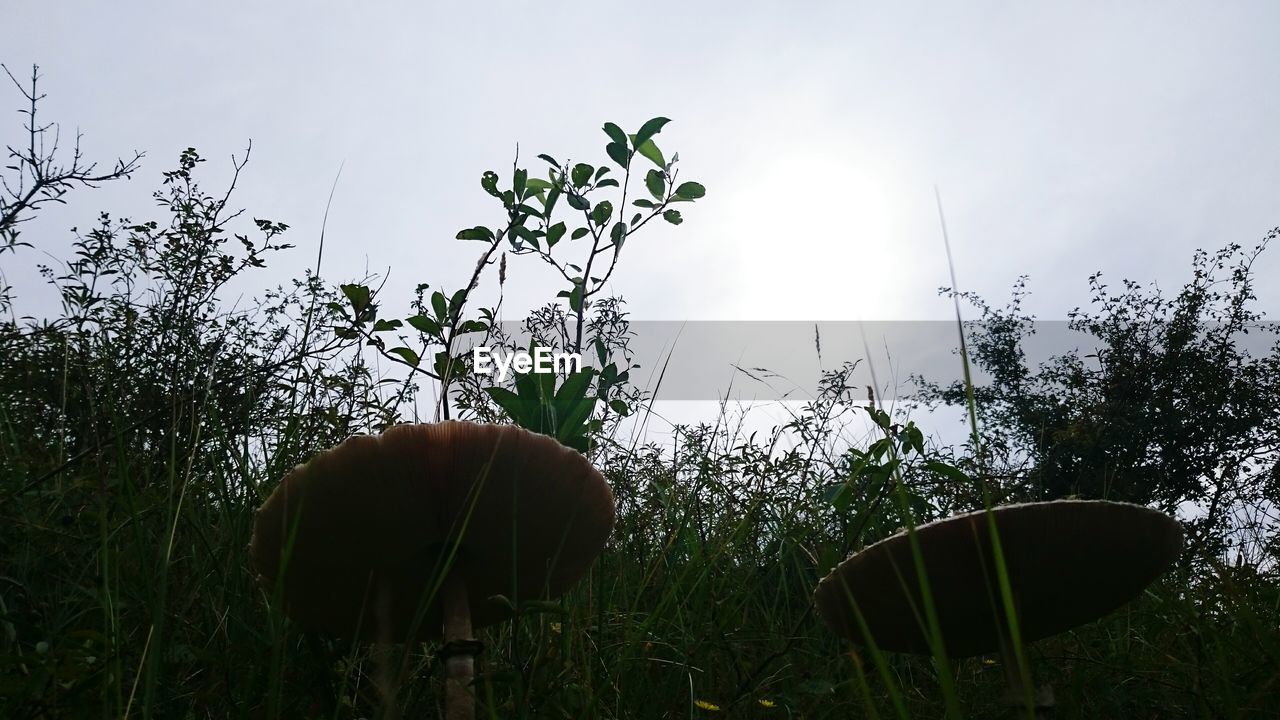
[[1067, 561], [430, 514]]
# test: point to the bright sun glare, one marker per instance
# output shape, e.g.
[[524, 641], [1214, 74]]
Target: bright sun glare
[[819, 224]]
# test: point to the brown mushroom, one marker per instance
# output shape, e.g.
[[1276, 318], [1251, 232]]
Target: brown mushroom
[[1068, 562], [410, 535]]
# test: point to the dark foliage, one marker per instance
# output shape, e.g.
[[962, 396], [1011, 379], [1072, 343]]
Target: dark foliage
[[1163, 405]]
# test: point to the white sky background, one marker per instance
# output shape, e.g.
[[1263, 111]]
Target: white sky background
[[1066, 138]]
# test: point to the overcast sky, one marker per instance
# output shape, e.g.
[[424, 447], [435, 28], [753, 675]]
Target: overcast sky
[[1065, 137]]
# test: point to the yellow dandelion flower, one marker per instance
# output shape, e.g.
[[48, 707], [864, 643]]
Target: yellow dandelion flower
[[710, 707], [988, 661], [767, 703]]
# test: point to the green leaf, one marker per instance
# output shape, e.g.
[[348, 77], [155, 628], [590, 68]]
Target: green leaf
[[577, 442], [649, 129], [951, 472], [620, 407], [384, 325], [550, 160], [644, 204], [602, 212], [478, 232], [615, 133], [859, 467], [618, 152], [578, 233], [571, 407], [581, 174], [455, 302], [424, 324], [912, 438], [673, 217], [575, 298], [527, 235], [518, 182], [607, 182], [357, 295], [410, 357], [530, 397], [841, 497], [536, 185], [554, 233], [656, 182], [537, 389], [552, 196], [447, 367], [534, 408], [438, 304], [919, 506], [572, 391], [577, 202], [571, 423], [618, 234], [489, 181], [690, 190], [651, 151], [510, 403]]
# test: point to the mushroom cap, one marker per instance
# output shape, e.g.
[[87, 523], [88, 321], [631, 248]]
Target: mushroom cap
[[375, 519], [1068, 562]]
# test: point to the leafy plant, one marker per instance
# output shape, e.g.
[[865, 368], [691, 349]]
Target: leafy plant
[[143, 421], [563, 413], [1171, 409], [533, 207]]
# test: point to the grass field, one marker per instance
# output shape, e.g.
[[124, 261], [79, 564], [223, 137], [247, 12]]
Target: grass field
[[142, 428]]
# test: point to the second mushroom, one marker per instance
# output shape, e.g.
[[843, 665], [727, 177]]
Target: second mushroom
[[1067, 562]]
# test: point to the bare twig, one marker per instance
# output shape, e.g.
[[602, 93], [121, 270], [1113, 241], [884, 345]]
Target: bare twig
[[40, 178]]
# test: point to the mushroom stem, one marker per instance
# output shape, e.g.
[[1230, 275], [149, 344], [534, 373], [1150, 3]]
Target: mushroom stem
[[459, 699]]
